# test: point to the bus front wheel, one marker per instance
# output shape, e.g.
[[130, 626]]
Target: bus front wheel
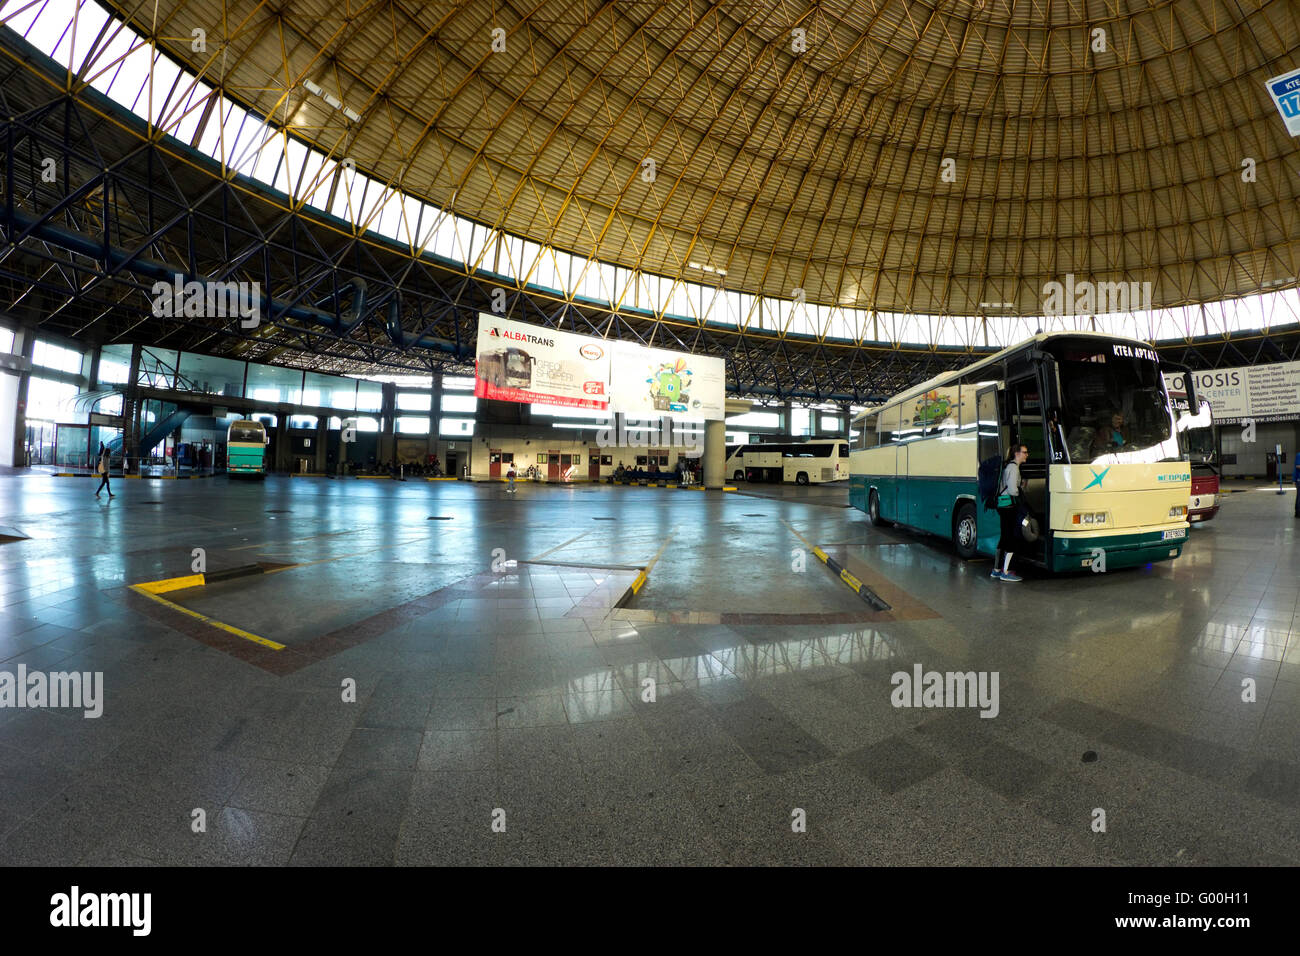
[[965, 531], [801, 478], [873, 510], [738, 476]]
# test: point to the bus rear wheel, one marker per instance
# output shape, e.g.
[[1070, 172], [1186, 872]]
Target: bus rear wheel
[[873, 510], [801, 478], [738, 476], [965, 531]]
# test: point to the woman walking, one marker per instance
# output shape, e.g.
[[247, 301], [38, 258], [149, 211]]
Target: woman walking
[[1009, 514], [102, 468]]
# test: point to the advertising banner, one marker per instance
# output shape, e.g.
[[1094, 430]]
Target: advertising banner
[[657, 383], [1262, 393], [517, 362]]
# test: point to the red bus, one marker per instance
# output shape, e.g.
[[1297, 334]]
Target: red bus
[[1196, 442]]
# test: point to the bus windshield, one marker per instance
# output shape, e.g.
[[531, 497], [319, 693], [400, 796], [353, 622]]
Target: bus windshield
[[252, 434], [1115, 404]]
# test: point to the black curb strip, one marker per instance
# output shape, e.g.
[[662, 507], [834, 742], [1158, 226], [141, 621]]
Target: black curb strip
[[864, 592], [243, 571]]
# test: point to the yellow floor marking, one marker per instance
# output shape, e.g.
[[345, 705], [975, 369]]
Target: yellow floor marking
[[645, 572], [171, 584], [153, 595]]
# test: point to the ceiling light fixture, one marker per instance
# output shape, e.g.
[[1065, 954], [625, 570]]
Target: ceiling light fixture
[[332, 100]]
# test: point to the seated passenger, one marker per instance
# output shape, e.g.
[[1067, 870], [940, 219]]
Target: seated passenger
[[1117, 437]]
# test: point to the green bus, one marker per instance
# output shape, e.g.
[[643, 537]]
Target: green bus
[[246, 442]]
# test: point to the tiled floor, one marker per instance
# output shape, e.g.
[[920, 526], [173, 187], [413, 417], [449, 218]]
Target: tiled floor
[[516, 715]]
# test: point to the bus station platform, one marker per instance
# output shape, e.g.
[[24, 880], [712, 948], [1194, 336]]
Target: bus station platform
[[362, 672]]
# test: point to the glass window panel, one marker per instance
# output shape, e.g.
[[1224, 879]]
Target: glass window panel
[[6, 340], [42, 33], [49, 355], [90, 20], [370, 397], [115, 364], [456, 427], [242, 156], [270, 158], [274, 384], [413, 424], [388, 219], [371, 192], [130, 85], [458, 383], [49, 399], [103, 69], [313, 184], [409, 230], [295, 158], [414, 401], [211, 374], [193, 111], [464, 228], [331, 391], [459, 403]]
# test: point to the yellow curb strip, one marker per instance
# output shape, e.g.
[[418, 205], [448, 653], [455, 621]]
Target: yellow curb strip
[[153, 590]]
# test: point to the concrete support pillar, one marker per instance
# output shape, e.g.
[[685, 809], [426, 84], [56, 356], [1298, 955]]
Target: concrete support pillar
[[435, 415], [715, 453], [787, 419], [24, 346], [322, 436], [387, 424], [131, 412]]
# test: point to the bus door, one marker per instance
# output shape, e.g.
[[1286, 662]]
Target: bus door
[[1026, 418], [988, 441]]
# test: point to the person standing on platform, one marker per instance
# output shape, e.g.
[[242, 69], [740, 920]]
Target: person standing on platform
[[102, 468], [1009, 514], [511, 476]]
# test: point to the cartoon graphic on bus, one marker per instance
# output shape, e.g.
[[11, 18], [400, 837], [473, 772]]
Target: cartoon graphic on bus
[[931, 408], [667, 387]]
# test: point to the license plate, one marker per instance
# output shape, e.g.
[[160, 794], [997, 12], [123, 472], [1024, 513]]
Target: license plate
[[1171, 535]]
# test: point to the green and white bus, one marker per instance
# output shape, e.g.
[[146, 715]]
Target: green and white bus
[[1104, 470], [246, 442]]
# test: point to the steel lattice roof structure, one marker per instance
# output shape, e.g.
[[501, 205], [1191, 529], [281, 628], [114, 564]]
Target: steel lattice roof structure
[[880, 159]]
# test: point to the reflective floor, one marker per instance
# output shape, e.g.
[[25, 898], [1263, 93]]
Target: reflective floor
[[424, 673]]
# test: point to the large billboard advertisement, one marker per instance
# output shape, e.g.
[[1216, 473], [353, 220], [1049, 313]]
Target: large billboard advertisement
[[516, 362], [1261, 393], [657, 383]]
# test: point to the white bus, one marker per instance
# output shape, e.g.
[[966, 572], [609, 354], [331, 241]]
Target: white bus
[[805, 462], [1104, 475]]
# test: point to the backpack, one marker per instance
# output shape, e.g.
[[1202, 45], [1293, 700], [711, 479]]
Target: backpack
[[989, 477]]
